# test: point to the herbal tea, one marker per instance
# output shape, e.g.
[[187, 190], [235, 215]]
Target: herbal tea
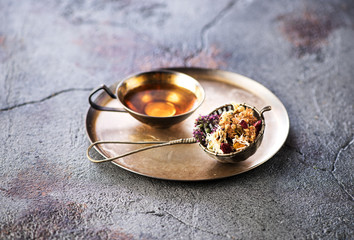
[[160, 100]]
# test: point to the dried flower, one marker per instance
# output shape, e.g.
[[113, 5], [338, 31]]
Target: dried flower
[[225, 148], [205, 125], [258, 126], [243, 124]]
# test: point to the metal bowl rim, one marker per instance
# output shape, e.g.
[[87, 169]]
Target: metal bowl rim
[[163, 71]]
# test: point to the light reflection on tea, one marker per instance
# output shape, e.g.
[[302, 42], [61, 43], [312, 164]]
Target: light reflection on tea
[[160, 100]]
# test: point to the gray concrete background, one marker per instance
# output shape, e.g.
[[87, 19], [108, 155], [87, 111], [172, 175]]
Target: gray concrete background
[[53, 53]]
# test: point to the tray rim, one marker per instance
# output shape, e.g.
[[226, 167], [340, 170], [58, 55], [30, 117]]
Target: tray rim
[[206, 74]]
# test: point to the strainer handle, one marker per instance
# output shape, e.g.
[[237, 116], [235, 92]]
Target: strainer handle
[[102, 108], [156, 145], [265, 109]]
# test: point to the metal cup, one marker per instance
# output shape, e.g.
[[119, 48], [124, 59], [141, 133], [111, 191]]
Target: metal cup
[[146, 80]]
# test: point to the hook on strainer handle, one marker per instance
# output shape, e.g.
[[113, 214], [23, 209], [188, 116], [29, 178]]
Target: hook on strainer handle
[[156, 145], [265, 109]]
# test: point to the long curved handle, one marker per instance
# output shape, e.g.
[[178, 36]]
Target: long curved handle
[[156, 145], [102, 108]]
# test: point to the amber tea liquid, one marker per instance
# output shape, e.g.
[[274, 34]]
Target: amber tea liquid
[[160, 100]]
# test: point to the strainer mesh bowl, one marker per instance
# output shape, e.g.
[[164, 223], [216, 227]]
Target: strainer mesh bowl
[[249, 150]]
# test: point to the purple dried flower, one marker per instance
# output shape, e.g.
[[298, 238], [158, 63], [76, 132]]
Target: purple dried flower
[[243, 124], [225, 148], [203, 125], [258, 125], [199, 136]]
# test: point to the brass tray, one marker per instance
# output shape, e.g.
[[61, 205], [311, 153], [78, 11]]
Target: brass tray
[[188, 162]]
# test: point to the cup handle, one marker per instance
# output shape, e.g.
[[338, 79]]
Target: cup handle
[[102, 108]]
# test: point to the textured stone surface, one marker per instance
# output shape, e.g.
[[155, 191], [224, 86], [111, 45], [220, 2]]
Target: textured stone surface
[[52, 53]]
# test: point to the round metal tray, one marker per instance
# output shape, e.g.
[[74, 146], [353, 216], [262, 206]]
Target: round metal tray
[[188, 162]]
